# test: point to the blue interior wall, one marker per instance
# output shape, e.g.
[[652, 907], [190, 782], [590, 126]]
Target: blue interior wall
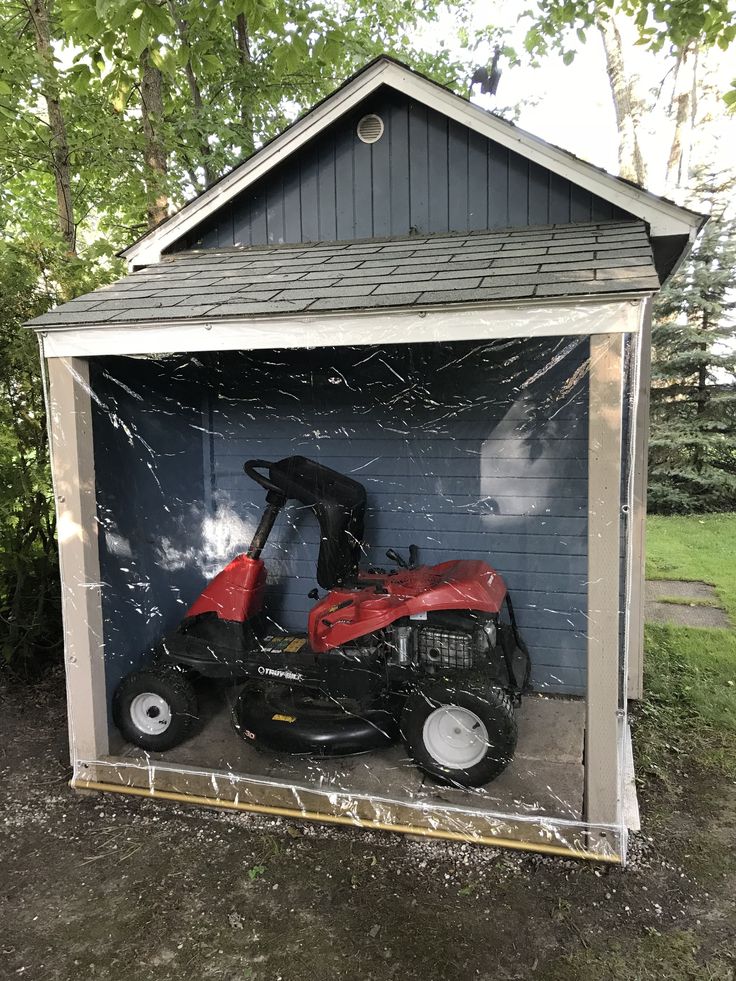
[[426, 174], [149, 473], [467, 450]]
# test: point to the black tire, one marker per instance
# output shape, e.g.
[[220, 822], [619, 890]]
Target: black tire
[[172, 697], [490, 706]]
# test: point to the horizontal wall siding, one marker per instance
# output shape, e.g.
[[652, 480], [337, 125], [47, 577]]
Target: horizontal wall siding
[[426, 174], [149, 475], [466, 450]]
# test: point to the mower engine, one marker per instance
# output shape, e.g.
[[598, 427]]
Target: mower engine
[[447, 643], [448, 650]]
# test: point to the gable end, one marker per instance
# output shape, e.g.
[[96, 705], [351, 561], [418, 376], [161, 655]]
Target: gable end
[[426, 174]]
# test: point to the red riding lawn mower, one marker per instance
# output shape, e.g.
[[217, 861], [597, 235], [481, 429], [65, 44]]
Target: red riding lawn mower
[[418, 652]]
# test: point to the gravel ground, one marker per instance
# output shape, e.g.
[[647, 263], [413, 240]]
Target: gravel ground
[[109, 887]]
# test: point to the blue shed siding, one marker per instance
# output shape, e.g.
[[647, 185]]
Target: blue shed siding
[[426, 174], [464, 449], [149, 476]]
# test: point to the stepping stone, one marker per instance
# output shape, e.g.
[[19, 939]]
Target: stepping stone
[[676, 587], [683, 614], [686, 616]]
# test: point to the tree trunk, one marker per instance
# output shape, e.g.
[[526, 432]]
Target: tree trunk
[[152, 110], [627, 103], [242, 42], [39, 12], [182, 29], [684, 107], [702, 387]]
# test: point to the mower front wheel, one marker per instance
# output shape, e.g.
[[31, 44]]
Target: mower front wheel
[[155, 708], [460, 733]]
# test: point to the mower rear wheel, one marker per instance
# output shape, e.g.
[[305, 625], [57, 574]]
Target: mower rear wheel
[[460, 733], [155, 708]]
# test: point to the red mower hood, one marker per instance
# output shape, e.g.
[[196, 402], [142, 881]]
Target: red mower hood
[[463, 584]]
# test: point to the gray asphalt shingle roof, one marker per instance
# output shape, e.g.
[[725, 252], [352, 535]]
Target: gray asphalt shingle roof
[[479, 268]]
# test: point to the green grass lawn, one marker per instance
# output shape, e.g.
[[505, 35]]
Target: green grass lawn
[[690, 674], [695, 547]]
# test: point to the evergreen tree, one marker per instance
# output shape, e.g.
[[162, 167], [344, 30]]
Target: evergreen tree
[[692, 458]]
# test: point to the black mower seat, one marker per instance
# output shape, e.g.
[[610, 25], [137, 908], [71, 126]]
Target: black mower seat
[[313, 484], [339, 504]]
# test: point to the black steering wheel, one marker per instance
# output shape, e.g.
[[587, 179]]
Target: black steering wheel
[[251, 467]]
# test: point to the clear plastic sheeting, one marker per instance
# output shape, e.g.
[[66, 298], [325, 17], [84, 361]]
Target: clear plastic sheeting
[[353, 583]]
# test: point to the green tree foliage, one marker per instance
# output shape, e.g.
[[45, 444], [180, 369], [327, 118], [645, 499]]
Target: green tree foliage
[[673, 25], [112, 113], [29, 600], [231, 74], [692, 463], [27, 554], [660, 23]]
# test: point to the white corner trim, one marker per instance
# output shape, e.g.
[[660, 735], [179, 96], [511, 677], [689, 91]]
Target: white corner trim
[[403, 327], [69, 414], [605, 427], [664, 217]]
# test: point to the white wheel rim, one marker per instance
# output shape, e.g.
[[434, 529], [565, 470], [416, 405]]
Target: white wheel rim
[[150, 713], [455, 737]]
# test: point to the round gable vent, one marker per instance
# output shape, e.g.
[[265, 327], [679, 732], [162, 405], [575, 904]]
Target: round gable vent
[[370, 128]]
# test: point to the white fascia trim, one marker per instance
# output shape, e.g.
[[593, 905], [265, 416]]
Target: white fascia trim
[[398, 327], [663, 217]]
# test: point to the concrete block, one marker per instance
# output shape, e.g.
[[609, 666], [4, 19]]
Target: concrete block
[[551, 729]]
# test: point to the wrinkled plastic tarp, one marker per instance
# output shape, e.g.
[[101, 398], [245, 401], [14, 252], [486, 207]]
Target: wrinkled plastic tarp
[[473, 451]]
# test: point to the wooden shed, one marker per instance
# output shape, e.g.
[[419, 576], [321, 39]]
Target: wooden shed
[[418, 293]]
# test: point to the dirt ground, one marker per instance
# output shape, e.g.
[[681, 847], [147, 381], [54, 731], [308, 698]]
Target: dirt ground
[[109, 887]]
